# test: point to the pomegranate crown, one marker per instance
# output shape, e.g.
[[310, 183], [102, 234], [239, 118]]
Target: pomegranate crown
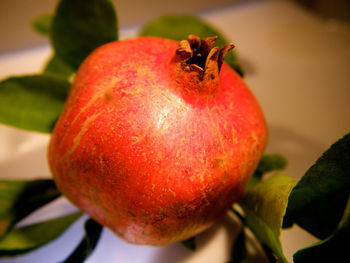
[[200, 56]]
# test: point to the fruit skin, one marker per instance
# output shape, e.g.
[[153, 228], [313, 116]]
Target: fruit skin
[[147, 149]]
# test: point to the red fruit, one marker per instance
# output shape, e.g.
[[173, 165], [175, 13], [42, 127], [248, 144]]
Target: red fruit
[[154, 142]]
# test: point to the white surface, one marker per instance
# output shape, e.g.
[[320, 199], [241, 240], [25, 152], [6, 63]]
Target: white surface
[[298, 66]]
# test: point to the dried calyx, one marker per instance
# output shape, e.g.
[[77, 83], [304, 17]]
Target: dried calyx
[[200, 56]]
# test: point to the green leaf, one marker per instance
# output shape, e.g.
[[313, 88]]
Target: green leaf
[[24, 239], [190, 243], [178, 27], [334, 249], [42, 24], [32, 102], [318, 201], [59, 67], [264, 205], [18, 198], [79, 27], [268, 163], [93, 232]]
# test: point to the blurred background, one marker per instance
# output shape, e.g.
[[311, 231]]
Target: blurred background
[[15, 15]]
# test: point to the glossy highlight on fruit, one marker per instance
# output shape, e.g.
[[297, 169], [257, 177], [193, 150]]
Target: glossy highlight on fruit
[[157, 138]]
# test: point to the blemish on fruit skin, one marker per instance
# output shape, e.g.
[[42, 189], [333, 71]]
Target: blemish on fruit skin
[[138, 139], [177, 102], [234, 136], [146, 233], [108, 96], [201, 179], [90, 103], [219, 162], [100, 157], [81, 133], [131, 213], [162, 118], [215, 127], [224, 178], [172, 192]]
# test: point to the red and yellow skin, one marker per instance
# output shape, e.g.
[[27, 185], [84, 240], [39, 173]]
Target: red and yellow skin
[[150, 150]]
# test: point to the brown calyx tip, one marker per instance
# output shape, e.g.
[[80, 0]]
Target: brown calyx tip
[[200, 55]]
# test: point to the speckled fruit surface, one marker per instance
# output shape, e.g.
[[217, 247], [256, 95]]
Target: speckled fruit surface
[[152, 148]]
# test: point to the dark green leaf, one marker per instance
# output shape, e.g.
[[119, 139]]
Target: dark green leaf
[[79, 27], [318, 201], [24, 239], [178, 27], [333, 249], [42, 24], [269, 254], [190, 243], [264, 206], [88, 243], [32, 102], [239, 250], [271, 162], [18, 198], [59, 67], [268, 163]]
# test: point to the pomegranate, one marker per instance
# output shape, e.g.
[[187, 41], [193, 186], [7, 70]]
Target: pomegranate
[[157, 138]]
